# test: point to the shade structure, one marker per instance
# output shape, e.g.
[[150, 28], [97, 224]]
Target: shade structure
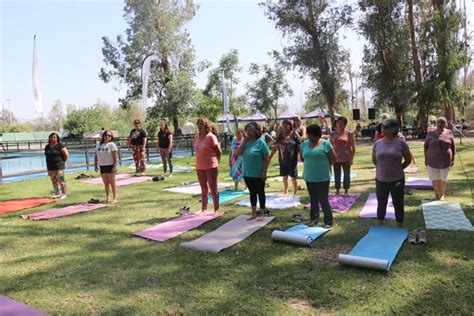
[[223, 118], [287, 115], [257, 117], [318, 112]]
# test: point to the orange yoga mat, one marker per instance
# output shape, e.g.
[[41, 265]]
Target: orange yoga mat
[[21, 204]]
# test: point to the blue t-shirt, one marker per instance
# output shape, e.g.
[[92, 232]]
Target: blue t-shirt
[[253, 158], [317, 167]]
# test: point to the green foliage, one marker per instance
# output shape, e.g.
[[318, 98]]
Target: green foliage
[[88, 120], [206, 106], [312, 29], [314, 99], [269, 87]]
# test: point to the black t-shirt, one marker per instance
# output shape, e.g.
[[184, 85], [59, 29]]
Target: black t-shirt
[[54, 158], [164, 140], [137, 136], [289, 149]]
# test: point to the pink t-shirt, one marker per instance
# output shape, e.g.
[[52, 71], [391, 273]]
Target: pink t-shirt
[[206, 157]]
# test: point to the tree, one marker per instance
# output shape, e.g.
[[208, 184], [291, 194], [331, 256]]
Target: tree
[[267, 90], [88, 120], [155, 28], [312, 27], [387, 67], [206, 105], [56, 117]]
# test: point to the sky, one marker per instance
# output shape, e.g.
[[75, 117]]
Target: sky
[[69, 42]]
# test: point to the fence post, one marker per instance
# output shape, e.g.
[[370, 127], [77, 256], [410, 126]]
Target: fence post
[[119, 147], [87, 157], [147, 152], [28, 145], [1, 171]]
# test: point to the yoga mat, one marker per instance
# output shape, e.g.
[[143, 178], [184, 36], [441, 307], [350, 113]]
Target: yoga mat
[[419, 183], [65, 211], [341, 203], [352, 174], [182, 169], [376, 250], [299, 235], [413, 169], [275, 201], [445, 215], [11, 206], [9, 307], [98, 180], [147, 166], [370, 208], [227, 235], [177, 226], [228, 195], [132, 180], [194, 188]]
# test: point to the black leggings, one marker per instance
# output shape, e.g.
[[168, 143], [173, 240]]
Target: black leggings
[[397, 190], [318, 194], [346, 167], [256, 187]]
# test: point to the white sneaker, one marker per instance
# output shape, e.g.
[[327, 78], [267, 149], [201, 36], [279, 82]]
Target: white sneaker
[[62, 196], [55, 195]]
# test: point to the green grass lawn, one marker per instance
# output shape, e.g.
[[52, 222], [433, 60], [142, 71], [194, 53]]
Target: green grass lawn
[[90, 263]]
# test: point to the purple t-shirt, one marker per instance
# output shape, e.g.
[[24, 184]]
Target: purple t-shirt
[[440, 149], [389, 159]]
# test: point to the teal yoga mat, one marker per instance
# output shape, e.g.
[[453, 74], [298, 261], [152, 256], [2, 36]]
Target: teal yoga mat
[[301, 234], [376, 250], [227, 195]]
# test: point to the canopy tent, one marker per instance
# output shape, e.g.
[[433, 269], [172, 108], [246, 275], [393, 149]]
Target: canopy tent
[[223, 118], [187, 128], [287, 115], [318, 112], [257, 117]]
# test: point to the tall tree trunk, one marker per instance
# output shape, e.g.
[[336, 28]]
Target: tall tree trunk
[[175, 124]]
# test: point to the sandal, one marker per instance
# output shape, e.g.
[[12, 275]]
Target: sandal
[[93, 201]]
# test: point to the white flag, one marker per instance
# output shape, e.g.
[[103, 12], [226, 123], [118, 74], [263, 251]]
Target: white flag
[[38, 98]]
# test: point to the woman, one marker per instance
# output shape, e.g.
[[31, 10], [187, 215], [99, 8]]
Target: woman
[[254, 151], [378, 128], [387, 155], [106, 160], [288, 146], [344, 145], [56, 157], [137, 144], [208, 155], [299, 127], [165, 146], [318, 155], [235, 162], [439, 156]]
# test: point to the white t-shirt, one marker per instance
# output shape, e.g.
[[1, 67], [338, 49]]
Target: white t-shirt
[[104, 153]]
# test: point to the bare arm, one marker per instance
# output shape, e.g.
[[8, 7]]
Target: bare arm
[[114, 159], [425, 147], [157, 143], [353, 146], [332, 156], [266, 162], [407, 158], [64, 154], [272, 153], [170, 138], [241, 149]]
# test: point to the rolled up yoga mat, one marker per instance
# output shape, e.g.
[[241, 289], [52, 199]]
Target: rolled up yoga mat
[[16, 205], [65, 211], [445, 215], [418, 183], [228, 195], [376, 250], [275, 201], [177, 226], [9, 307], [299, 235], [227, 235], [370, 208]]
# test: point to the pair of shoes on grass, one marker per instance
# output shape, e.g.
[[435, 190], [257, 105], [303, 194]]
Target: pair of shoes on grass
[[297, 218], [93, 201], [158, 178], [417, 236], [184, 210]]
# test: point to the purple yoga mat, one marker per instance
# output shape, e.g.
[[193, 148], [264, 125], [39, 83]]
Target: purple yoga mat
[[99, 179], [370, 208], [132, 180], [341, 203], [177, 226], [419, 183], [65, 211], [9, 307]]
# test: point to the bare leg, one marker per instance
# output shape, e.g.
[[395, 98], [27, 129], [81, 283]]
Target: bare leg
[[111, 178], [295, 185], [442, 189], [106, 186], [285, 185]]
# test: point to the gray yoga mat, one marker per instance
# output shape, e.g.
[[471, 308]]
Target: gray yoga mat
[[227, 235], [445, 215], [299, 235]]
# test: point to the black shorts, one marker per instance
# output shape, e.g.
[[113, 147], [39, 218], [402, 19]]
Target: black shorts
[[106, 169], [289, 170]]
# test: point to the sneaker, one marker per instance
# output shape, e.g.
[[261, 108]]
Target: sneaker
[[313, 223], [421, 236], [62, 196], [413, 236], [55, 196], [328, 226]]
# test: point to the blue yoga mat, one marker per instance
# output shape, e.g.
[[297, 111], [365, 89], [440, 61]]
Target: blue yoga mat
[[227, 195], [377, 249], [299, 235], [352, 174]]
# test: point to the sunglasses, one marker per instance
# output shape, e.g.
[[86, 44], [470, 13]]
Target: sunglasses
[[108, 135]]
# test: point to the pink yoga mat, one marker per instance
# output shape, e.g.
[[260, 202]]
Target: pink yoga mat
[[419, 183], [177, 226], [370, 208], [99, 179], [65, 211], [341, 203], [9, 307], [132, 180]]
